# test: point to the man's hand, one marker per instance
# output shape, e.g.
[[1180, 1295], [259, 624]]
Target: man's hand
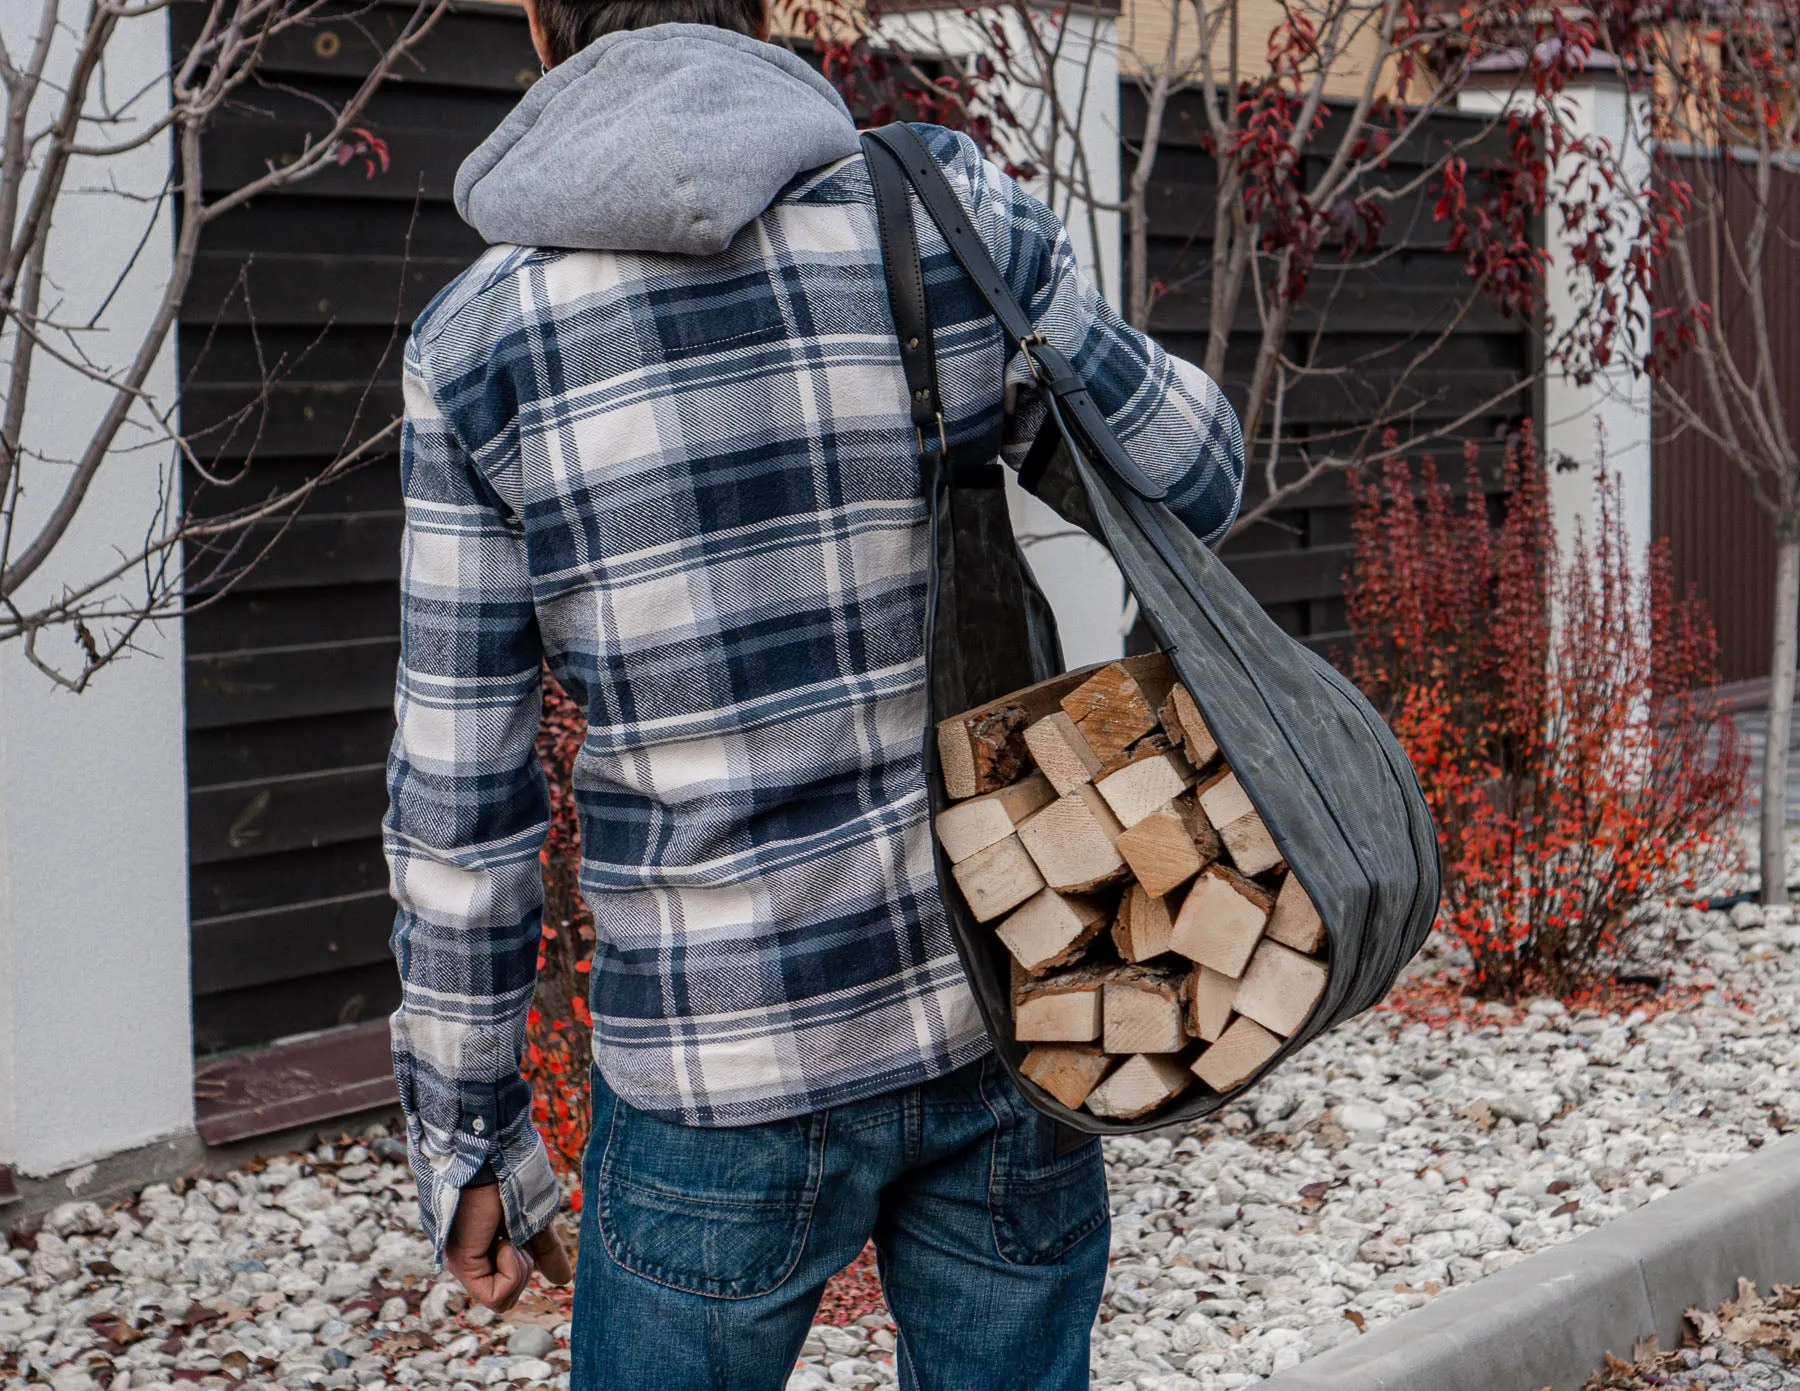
[[486, 1264]]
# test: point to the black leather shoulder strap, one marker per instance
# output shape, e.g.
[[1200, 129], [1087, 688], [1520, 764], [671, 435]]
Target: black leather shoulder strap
[[940, 200], [905, 285], [1053, 371]]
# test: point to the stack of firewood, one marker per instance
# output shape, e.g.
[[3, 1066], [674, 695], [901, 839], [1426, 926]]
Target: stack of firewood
[[1100, 801]]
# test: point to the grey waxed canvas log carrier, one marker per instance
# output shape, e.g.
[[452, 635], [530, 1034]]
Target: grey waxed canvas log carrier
[[1324, 772]]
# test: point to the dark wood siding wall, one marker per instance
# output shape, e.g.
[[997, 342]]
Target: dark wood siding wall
[[1371, 321], [290, 675], [1720, 541]]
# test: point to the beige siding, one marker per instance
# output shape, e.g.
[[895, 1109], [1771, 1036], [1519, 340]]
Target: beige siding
[[1144, 36]]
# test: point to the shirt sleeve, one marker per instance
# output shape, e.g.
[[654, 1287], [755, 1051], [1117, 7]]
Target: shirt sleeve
[[467, 817], [1168, 414]]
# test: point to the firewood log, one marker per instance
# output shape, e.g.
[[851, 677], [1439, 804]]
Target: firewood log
[[1221, 920], [1138, 1087], [1141, 1011], [1072, 842], [998, 879], [1117, 705], [1210, 994], [1182, 720], [1143, 926], [1067, 1071], [1060, 752], [1295, 922], [1051, 929], [1280, 988], [1170, 846], [1245, 1046], [981, 821], [1153, 775], [1247, 840], [1060, 1008], [983, 750]]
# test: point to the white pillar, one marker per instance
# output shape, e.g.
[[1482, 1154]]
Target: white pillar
[[95, 1038], [1607, 418]]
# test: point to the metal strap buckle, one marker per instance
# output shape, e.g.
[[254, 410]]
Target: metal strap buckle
[[943, 443], [1026, 344]]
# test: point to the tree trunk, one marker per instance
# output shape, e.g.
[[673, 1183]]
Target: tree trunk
[[1781, 719]]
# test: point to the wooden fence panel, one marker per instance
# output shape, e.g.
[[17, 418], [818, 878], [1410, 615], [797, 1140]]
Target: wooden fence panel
[[290, 676], [1367, 320], [1720, 541]]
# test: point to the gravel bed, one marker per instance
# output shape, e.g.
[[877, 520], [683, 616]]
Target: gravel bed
[[1392, 1161], [1389, 1162]]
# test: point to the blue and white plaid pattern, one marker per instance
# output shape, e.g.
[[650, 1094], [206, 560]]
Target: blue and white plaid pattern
[[691, 486]]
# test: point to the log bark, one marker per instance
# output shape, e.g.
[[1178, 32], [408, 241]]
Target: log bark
[[982, 750]]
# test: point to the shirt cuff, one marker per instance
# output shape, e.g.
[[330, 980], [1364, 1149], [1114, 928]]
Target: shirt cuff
[[444, 1164]]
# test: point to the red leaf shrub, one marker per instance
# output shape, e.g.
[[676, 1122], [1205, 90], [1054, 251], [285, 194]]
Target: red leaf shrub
[[558, 1032], [1557, 713]]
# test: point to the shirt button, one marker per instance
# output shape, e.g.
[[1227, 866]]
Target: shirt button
[[478, 1125]]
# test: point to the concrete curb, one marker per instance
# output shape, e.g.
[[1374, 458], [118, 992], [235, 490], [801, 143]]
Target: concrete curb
[[1549, 1320]]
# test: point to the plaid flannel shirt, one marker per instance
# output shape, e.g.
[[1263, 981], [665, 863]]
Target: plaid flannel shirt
[[690, 485]]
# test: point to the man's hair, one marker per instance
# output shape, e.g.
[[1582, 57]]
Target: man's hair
[[571, 25]]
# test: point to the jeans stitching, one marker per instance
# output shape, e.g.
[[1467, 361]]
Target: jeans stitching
[[998, 1190], [815, 1179]]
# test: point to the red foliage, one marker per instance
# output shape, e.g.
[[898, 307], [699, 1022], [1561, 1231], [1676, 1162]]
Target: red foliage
[[559, 1029], [1557, 714]]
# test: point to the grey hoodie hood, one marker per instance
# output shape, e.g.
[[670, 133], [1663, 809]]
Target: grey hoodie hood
[[670, 138]]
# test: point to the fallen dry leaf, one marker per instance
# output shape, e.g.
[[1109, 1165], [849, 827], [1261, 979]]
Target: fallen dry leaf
[[1362, 1324]]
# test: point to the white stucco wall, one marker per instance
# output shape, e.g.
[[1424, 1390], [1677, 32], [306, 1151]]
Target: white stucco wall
[[95, 1052], [1077, 575]]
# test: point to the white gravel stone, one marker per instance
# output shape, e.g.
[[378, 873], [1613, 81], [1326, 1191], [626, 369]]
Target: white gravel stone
[[1383, 1165], [528, 1340]]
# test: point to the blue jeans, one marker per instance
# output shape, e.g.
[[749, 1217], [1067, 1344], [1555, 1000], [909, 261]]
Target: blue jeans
[[704, 1251]]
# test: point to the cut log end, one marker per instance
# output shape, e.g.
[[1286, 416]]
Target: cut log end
[[1050, 929], [1117, 705], [1069, 1072], [1141, 1012], [1144, 925], [982, 821], [1295, 922], [1246, 839], [1210, 995], [1244, 1047], [998, 879], [1140, 1085], [1221, 920], [1073, 840], [1280, 988]]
